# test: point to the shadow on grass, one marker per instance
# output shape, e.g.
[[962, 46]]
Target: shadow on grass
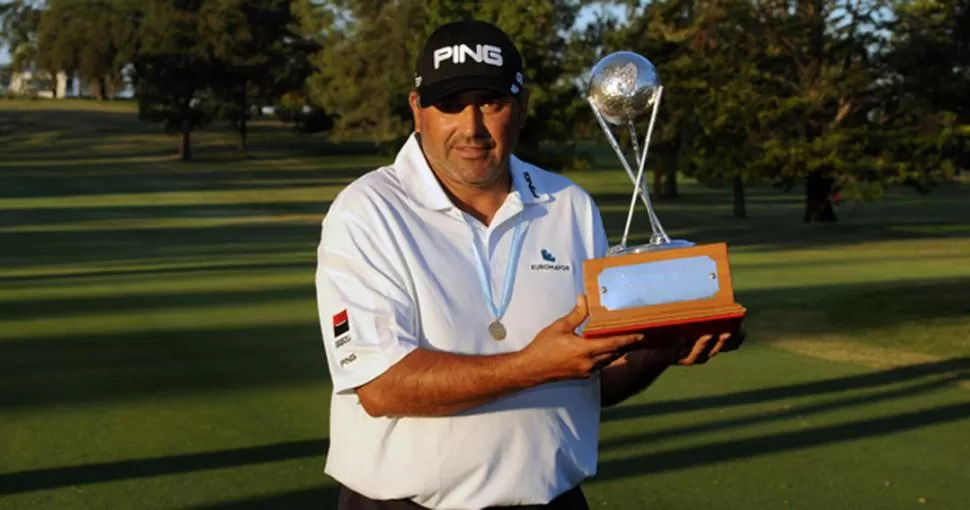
[[784, 232], [86, 275], [157, 178], [52, 133], [858, 307], [921, 388], [26, 309], [684, 458], [71, 367], [127, 245], [704, 216], [916, 380], [76, 369], [84, 474], [958, 368], [73, 155]]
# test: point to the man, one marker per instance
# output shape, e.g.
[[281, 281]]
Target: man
[[449, 292]]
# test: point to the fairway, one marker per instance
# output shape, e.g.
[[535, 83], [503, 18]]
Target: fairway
[[159, 344]]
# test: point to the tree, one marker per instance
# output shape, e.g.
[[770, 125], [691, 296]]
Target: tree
[[18, 28], [925, 116], [171, 70], [367, 63], [6, 73], [824, 53], [661, 31], [90, 41], [718, 93], [258, 49], [58, 44], [734, 99], [365, 68]]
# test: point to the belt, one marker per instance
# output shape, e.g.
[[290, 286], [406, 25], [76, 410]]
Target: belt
[[573, 499]]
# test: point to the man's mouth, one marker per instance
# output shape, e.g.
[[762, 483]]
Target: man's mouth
[[471, 150]]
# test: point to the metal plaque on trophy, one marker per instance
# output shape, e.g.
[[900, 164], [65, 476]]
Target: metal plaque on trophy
[[666, 289]]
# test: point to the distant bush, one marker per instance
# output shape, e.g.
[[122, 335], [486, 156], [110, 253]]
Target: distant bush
[[314, 120], [306, 118]]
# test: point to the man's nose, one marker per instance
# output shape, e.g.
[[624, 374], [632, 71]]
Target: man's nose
[[471, 121]]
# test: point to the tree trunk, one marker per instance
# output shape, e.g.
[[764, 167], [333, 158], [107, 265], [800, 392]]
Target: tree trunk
[[670, 182], [818, 199], [110, 88], [658, 184], [243, 114], [671, 166], [740, 208], [54, 82], [242, 137], [185, 143], [99, 88]]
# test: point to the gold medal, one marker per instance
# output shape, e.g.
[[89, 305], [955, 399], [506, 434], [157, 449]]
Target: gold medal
[[497, 330]]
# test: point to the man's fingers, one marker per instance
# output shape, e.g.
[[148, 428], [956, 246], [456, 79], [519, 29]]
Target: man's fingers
[[614, 343], [696, 351], [576, 316], [721, 342], [619, 362], [603, 361]]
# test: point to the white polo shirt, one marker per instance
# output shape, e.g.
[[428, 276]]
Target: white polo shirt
[[397, 271]]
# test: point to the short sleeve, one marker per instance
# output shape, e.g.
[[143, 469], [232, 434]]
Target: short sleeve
[[367, 316], [601, 243]]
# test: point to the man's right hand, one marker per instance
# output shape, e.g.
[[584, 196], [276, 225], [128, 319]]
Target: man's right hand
[[435, 383], [557, 352]]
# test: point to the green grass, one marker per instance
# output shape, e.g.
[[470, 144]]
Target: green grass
[[159, 345]]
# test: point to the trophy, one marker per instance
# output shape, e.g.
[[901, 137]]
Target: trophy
[[667, 289]]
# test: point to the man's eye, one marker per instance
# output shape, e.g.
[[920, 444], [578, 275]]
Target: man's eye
[[494, 106], [450, 106]]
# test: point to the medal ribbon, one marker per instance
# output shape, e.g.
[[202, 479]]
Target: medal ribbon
[[498, 312]]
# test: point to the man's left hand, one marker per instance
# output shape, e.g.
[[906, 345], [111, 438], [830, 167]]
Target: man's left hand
[[682, 353], [704, 349]]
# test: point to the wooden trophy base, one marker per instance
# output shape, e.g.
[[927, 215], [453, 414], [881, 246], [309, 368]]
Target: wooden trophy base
[[666, 294]]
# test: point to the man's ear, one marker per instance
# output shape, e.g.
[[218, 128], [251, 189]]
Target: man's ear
[[413, 100]]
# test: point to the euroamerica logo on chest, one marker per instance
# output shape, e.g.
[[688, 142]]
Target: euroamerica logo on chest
[[550, 263], [551, 267]]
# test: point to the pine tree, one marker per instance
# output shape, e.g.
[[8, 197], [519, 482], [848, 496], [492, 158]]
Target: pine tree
[[172, 70]]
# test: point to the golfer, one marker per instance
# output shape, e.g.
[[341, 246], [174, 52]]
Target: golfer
[[449, 289]]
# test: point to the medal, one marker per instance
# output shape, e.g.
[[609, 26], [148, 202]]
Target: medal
[[496, 329]]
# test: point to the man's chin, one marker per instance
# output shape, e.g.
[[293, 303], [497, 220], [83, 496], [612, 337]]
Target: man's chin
[[483, 182]]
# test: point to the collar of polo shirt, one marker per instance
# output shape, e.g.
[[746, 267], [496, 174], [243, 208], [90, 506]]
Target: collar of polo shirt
[[423, 188]]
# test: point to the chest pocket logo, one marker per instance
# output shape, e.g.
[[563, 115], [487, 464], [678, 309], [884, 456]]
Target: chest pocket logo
[[549, 263]]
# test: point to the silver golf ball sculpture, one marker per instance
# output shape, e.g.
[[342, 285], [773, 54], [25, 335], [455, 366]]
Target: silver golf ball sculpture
[[624, 87]]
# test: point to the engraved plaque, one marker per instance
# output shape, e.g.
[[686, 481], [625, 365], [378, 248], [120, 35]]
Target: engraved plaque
[[659, 282]]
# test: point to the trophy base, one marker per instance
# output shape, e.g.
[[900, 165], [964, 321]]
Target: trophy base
[[660, 334], [654, 245], [666, 294]]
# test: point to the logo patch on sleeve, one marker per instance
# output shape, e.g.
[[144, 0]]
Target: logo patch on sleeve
[[341, 324]]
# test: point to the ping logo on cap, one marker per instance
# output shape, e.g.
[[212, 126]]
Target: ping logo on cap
[[458, 53]]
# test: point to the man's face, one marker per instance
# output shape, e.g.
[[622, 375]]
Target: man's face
[[468, 136]]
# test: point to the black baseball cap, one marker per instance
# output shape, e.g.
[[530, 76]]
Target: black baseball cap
[[464, 55]]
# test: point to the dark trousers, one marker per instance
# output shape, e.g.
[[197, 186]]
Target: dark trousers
[[573, 499]]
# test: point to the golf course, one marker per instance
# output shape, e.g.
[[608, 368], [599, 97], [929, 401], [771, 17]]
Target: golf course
[[160, 346]]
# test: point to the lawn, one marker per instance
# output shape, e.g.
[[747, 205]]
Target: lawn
[[159, 345]]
